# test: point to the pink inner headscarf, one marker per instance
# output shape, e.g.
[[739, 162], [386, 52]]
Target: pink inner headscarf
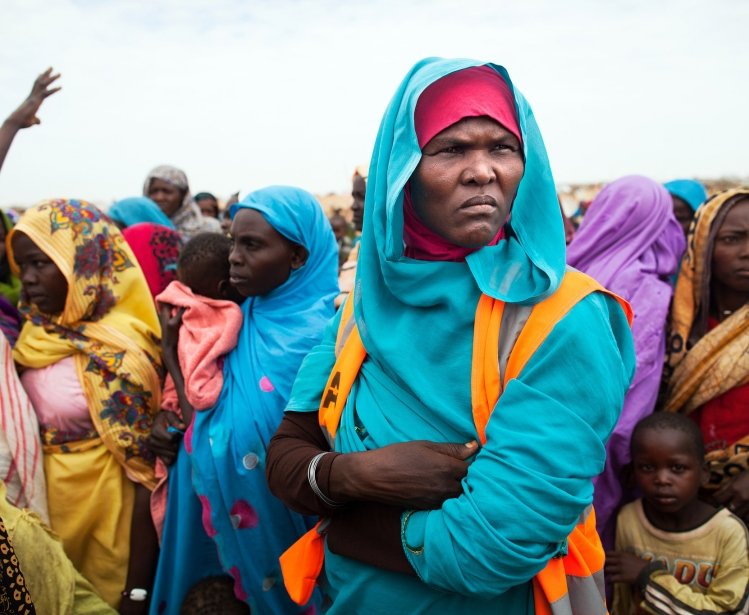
[[473, 92]]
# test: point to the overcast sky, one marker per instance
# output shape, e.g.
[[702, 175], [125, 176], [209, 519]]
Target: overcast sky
[[246, 93]]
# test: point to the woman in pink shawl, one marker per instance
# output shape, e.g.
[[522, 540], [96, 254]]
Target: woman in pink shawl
[[631, 243]]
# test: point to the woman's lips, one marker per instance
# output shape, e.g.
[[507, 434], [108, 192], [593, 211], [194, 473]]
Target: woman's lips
[[483, 204]]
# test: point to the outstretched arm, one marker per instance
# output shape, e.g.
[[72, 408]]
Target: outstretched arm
[[25, 115]]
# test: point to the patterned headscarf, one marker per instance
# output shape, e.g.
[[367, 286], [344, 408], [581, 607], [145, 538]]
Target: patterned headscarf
[[188, 219], [702, 365], [106, 325]]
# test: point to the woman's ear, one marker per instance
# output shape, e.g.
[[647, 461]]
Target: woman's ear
[[299, 256]]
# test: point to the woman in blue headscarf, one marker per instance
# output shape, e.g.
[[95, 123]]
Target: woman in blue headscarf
[[460, 204], [138, 210], [284, 260], [687, 195]]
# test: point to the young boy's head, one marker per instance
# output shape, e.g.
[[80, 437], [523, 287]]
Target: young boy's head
[[668, 459], [203, 267]]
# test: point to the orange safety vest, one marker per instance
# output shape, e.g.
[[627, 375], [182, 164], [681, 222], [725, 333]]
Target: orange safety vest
[[572, 583]]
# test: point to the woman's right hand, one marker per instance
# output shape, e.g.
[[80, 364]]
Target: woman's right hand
[[417, 475], [162, 442]]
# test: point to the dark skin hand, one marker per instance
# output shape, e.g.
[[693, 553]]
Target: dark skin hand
[[414, 475], [162, 442], [25, 115], [623, 567], [735, 496], [144, 553]]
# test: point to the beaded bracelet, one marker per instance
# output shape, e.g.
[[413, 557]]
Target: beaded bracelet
[[312, 480]]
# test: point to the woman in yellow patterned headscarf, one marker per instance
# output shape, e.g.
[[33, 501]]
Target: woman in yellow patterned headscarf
[[89, 352], [707, 366]]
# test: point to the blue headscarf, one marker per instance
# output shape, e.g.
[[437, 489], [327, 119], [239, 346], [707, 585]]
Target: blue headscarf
[[397, 299], [690, 191], [138, 209], [228, 443]]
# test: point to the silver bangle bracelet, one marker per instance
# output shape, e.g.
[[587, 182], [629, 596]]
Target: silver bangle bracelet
[[312, 480]]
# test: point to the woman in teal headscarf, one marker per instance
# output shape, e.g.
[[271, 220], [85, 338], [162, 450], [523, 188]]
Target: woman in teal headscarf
[[284, 260], [138, 210], [460, 202], [687, 195]]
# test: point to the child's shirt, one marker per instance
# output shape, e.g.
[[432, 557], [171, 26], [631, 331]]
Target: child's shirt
[[704, 570]]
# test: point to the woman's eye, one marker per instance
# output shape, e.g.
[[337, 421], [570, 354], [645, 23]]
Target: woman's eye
[[505, 147], [452, 149], [729, 239]]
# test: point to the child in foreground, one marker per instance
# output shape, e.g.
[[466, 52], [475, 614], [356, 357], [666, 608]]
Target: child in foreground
[[674, 552]]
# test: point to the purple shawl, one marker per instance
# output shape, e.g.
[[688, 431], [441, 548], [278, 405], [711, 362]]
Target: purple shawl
[[630, 242]]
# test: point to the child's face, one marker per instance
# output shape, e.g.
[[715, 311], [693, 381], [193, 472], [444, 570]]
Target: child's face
[[667, 469]]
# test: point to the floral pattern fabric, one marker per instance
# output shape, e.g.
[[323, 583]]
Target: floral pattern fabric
[[112, 333]]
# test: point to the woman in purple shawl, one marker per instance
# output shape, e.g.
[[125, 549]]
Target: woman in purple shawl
[[631, 243]]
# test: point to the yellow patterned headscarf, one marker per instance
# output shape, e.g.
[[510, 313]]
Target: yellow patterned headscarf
[[701, 364], [109, 324]]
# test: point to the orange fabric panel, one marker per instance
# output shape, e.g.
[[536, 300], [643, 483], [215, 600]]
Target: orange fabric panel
[[301, 564]]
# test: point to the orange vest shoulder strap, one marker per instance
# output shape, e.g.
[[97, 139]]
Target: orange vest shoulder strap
[[485, 374], [350, 354]]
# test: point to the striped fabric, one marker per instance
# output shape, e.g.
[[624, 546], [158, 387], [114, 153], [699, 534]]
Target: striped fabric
[[20, 448]]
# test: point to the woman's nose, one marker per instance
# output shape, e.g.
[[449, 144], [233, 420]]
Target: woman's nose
[[28, 276], [480, 169]]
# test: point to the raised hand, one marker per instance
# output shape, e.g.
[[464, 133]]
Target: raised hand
[[25, 115]]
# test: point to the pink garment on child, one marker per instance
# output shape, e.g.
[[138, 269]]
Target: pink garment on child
[[56, 393], [210, 329]]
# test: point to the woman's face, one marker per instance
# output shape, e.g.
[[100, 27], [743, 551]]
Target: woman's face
[[44, 285], [683, 213], [730, 265], [261, 259], [208, 207], [167, 196], [358, 192], [466, 181]]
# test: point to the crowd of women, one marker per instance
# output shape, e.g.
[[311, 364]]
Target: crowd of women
[[191, 424]]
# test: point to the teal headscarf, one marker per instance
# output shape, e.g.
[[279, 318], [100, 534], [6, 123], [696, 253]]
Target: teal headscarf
[[398, 299], [137, 209], [690, 191]]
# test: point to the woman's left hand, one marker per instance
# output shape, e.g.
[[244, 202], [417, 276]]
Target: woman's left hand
[[735, 496]]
